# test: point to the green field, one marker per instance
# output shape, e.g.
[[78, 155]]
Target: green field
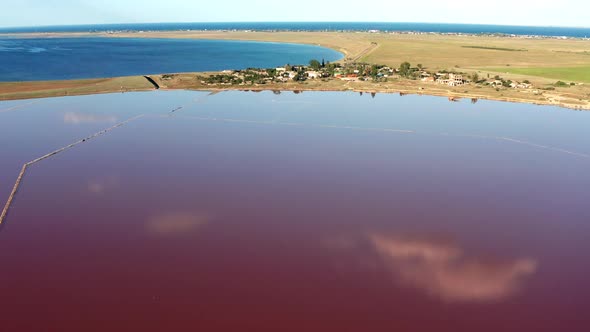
[[569, 74]]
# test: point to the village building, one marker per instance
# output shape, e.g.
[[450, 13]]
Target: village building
[[450, 79], [455, 80], [516, 85], [496, 83], [313, 74]]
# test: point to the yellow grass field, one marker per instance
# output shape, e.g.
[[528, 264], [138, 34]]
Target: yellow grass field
[[435, 52], [41, 89]]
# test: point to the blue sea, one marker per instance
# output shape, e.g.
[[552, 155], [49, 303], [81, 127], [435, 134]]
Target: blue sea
[[324, 26], [23, 59], [97, 57]]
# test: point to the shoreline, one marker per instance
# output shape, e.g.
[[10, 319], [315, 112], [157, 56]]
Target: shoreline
[[482, 55], [53, 89]]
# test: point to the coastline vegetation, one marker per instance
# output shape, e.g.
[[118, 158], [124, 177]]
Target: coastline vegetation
[[356, 72]]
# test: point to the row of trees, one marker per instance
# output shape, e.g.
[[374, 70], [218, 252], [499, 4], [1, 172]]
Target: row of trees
[[316, 65]]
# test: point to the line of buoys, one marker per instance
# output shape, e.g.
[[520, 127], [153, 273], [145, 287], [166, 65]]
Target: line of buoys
[[50, 154], [13, 193], [403, 131], [300, 124], [14, 108]]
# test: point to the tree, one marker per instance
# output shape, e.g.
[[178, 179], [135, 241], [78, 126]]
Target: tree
[[323, 64], [301, 75], [405, 69], [374, 71], [419, 66], [475, 77], [315, 64]]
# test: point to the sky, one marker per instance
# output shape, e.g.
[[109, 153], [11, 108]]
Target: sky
[[15, 13]]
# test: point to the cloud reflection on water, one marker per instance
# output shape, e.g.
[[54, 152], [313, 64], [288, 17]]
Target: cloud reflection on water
[[100, 186], [79, 118], [176, 223], [442, 270]]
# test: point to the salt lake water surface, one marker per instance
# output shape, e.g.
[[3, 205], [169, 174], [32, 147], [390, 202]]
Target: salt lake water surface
[[295, 212]]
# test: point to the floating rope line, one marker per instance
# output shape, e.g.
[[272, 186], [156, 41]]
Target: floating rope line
[[50, 154], [177, 109], [521, 142], [13, 193], [574, 153], [14, 108], [197, 100], [299, 124], [296, 124]]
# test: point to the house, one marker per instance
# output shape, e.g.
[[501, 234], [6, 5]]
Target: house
[[313, 74], [428, 79], [524, 86], [450, 79], [350, 77], [456, 80], [516, 85]]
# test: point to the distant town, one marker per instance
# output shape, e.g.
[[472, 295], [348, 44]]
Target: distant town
[[371, 31], [357, 72]]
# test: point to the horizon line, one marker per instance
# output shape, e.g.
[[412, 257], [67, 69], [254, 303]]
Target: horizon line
[[299, 22]]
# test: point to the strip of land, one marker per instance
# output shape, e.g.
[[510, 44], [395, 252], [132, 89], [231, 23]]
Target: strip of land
[[547, 71]]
